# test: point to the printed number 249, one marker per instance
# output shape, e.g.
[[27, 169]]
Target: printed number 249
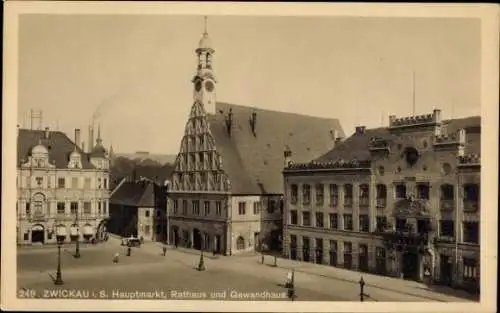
[[26, 293]]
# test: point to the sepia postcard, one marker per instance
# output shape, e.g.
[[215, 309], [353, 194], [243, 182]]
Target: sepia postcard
[[249, 157]]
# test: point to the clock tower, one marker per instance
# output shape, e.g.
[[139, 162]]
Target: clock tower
[[204, 80]]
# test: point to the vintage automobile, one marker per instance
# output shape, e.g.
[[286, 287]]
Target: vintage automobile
[[131, 242]]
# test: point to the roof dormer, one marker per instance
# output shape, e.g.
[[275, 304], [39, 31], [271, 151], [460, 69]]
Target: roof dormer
[[75, 160]]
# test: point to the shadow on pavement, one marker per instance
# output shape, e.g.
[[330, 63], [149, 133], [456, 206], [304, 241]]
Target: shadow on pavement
[[452, 292]]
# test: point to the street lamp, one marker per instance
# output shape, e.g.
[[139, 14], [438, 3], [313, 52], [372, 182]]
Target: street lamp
[[59, 280], [77, 248], [362, 293], [201, 264]]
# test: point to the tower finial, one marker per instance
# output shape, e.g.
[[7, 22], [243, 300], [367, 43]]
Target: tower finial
[[99, 139], [206, 24], [413, 93]]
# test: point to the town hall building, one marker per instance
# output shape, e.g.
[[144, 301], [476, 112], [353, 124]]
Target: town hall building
[[227, 187]]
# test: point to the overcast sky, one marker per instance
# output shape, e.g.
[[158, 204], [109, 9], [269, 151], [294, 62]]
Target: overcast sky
[[134, 72]]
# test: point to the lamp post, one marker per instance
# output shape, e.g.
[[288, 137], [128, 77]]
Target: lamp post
[[361, 286], [201, 264], [59, 280], [77, 248]]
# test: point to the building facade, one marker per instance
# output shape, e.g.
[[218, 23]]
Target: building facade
[[227, 189], [60, 188], [401, 200], [138, 208]]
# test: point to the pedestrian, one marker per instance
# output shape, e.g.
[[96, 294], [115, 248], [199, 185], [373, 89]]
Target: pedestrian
[[129, 251], [116, 257], [289, 279], [164, 250], [176, 244]]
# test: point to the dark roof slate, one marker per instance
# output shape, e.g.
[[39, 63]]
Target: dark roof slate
[[135, 194], [356, 146], [58, 144], [254, 163]]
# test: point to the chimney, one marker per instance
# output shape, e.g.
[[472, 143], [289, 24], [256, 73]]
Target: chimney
[[77, 137], [229, 121], [253, 122], [392, 119], [287, 153], [335, 135], [47, 131], [360, 130], [436, 116], [462, 136]]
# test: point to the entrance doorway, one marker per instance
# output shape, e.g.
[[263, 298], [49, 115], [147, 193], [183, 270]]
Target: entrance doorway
[[217, 244], [197, 244], [37, 234], [256, 241], [446, 270], [410, 265], [175, 236], [380, 261]]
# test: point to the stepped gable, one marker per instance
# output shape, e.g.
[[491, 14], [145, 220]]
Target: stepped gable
[[58, 144]]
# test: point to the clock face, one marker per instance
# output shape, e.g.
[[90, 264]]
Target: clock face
[[209, 86], [197, 86]]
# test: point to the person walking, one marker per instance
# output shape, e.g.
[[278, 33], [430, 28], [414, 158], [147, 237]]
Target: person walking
[[164, 250], [116, 257]]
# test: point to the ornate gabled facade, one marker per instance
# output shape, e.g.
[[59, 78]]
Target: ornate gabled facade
[[60, 189], [226, 192], [402, 200]]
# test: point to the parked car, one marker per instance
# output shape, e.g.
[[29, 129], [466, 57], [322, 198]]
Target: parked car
[[131, 242]]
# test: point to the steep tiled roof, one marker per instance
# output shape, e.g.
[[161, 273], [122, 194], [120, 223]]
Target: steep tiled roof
[[356, 146], [136, 194], [58, 145], [254, 162]]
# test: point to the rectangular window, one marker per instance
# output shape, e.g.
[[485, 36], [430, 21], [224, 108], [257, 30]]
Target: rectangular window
[[26, 236], [87, 183], [381, 196], [471, 269], [400, 191], [158, 213], [86, 208], [218, 208], [446, 228], [364, 195], [364, 223], [184, 207], [320, 190], [293, 217], [105, 207], [423, 191], [271, 205], [241, 208], [158, 229], [306, 194], [294, 193], [196, 207], [105, 183], [348, 195], [74, 208], [61, 208], [206, 208], [334, 220], [61, 183], [471, 232], [471, 198], [256, 208], [381, 223], [39, 181], [334, 196], [175, 205], [348, 222], [400, 224], [347, 247], [319, 220], [99, 208], [74, 182], [146, 213], [306, 219]]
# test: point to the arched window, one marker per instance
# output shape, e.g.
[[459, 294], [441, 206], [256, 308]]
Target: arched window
[[240, 243]]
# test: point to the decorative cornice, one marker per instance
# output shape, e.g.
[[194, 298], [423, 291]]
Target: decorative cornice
[[333, 165]]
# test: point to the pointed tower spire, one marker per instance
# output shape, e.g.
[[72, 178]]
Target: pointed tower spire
[[206, 25], [204, 81], [99, 139]]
